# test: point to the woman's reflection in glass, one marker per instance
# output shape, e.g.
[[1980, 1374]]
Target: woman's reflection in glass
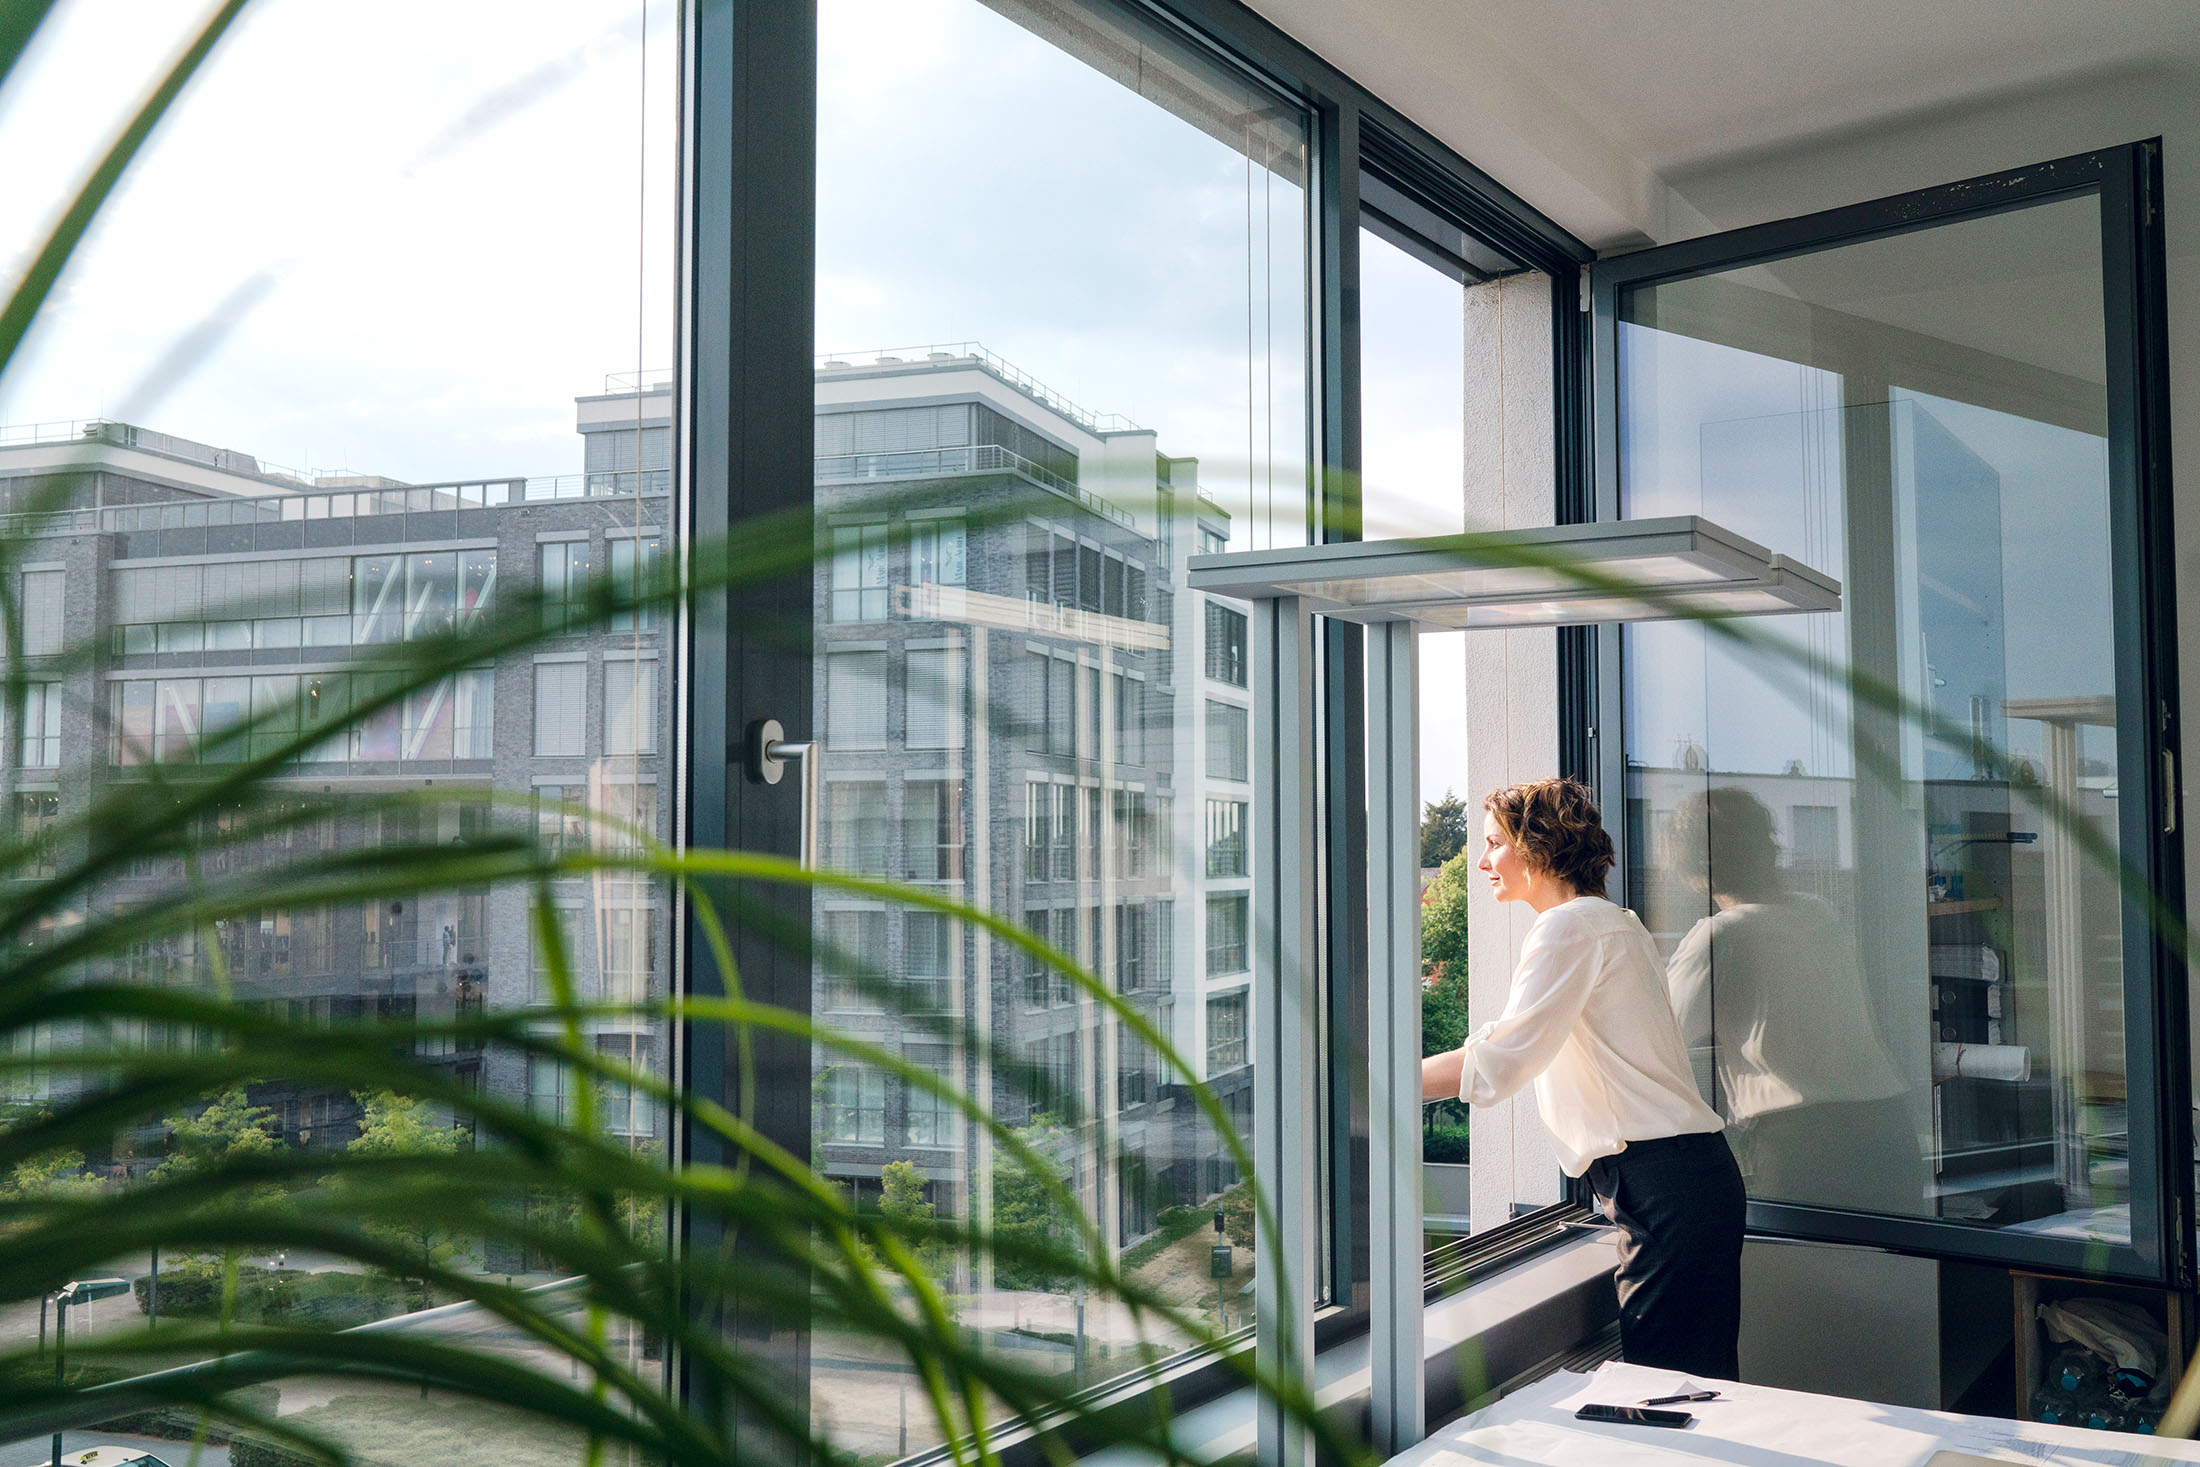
[[1772, 1003]]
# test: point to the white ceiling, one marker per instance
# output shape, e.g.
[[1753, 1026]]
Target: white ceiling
[[1593, 109]]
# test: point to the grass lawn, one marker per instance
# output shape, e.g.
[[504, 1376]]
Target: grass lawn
[[399, 1430]]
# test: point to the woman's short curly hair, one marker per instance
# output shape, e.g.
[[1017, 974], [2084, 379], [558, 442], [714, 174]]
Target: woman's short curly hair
[[1556, 827]]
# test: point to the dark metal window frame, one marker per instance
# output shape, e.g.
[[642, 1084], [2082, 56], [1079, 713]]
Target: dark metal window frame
[[747, 250], [2127, 181]]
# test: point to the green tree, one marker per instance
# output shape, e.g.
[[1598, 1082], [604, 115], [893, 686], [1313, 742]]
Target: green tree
[[230, 1128], [56, 1174], [1444, 993], [1444, 830], [393, 1125], [902, 1203], [1444, 919], [1025, 1211]]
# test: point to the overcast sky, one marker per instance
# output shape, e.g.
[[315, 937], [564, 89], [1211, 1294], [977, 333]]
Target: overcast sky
[[435, 210], [400, 239]]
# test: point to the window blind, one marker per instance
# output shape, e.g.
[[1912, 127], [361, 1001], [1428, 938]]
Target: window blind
[[935, 699], [561, 707], [630, 706], [42, 612], [855, 696]]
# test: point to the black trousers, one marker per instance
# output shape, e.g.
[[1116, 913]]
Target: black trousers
[[1678, 1204]]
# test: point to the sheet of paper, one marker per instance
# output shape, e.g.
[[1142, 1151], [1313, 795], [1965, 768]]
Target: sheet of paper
[[1981, 1439], [1511, 1443]]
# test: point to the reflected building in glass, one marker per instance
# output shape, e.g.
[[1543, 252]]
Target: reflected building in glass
[[1023, 707], [207, 588]]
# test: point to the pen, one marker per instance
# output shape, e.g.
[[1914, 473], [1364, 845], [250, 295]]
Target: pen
[[1676, 1400]]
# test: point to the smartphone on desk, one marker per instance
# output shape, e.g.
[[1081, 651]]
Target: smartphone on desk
[[1633, 1415]]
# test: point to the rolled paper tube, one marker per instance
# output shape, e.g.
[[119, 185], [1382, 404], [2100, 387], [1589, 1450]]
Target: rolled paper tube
[[1982, 1062]]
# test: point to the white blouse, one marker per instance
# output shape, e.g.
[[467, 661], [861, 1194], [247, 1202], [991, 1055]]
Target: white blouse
[[1589, 1023]]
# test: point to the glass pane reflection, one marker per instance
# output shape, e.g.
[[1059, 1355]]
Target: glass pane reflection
[[1902, 981]]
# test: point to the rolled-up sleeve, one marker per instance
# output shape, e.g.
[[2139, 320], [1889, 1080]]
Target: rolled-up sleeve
[[1558, 967]]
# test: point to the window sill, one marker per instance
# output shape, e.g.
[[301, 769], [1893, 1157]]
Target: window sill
[[1495, 1334]]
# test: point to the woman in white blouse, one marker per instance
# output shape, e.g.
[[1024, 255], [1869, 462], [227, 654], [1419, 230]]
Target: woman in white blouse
[[1589, 1025]]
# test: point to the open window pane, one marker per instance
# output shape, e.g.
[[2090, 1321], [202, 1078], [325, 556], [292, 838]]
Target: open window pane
[[1896, 935]]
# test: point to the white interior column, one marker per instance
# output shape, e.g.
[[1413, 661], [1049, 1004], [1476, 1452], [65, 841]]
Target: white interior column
[[1512, 691], [1286, 1017], [1397, 1399]]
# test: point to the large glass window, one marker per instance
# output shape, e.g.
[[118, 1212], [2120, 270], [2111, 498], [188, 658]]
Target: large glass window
[[306, 455], [1007, 491], [1456, 359], [1871, 841]]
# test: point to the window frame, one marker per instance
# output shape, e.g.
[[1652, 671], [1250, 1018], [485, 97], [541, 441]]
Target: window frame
[[746, 394], [2126, 180]]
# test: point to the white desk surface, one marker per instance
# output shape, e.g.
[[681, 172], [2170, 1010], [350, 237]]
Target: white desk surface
[[1757, 1426]]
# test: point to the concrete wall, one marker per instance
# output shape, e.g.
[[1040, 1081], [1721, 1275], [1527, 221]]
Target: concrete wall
[[1512, 686]]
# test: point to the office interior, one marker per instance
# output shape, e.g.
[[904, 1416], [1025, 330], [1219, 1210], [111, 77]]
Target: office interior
[[1044, 318]]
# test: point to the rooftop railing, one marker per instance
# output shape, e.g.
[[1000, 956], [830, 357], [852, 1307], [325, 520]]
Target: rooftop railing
[[976, 458], [342, 504], [1001, 367]]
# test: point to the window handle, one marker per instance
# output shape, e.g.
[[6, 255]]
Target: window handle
[[767, 754]]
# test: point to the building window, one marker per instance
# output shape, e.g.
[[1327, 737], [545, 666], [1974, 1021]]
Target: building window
[[40, 745], [1053, 705], [856, 829], [634, 572], [935, 698], [629, 705], [550, 1088], [628, 817], [1133, 833], [572, 948], [855, 1104], [39, 617], [1227, 950], [629, 953], [928, 1119], [431, 594], [855, 700], [1225, 644], [932, 826], [477, 586], [1226, 837], [1036, 970], [1132, 958], [565, 569], [325, 601], [1225, 1034], [1133, 1071], [1130, 719], [32, 817], [936, 555], [859, 573], [1053, 1068], [1212, 542], [1065, 832], [1061, 986], [934, 963], [1091, 722], [473, 714], [1228, 741], [1061, 706], [561, 819], [561, 708], [851, 943]]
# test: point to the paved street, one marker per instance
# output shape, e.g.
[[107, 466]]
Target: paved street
[[38, 1453]]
